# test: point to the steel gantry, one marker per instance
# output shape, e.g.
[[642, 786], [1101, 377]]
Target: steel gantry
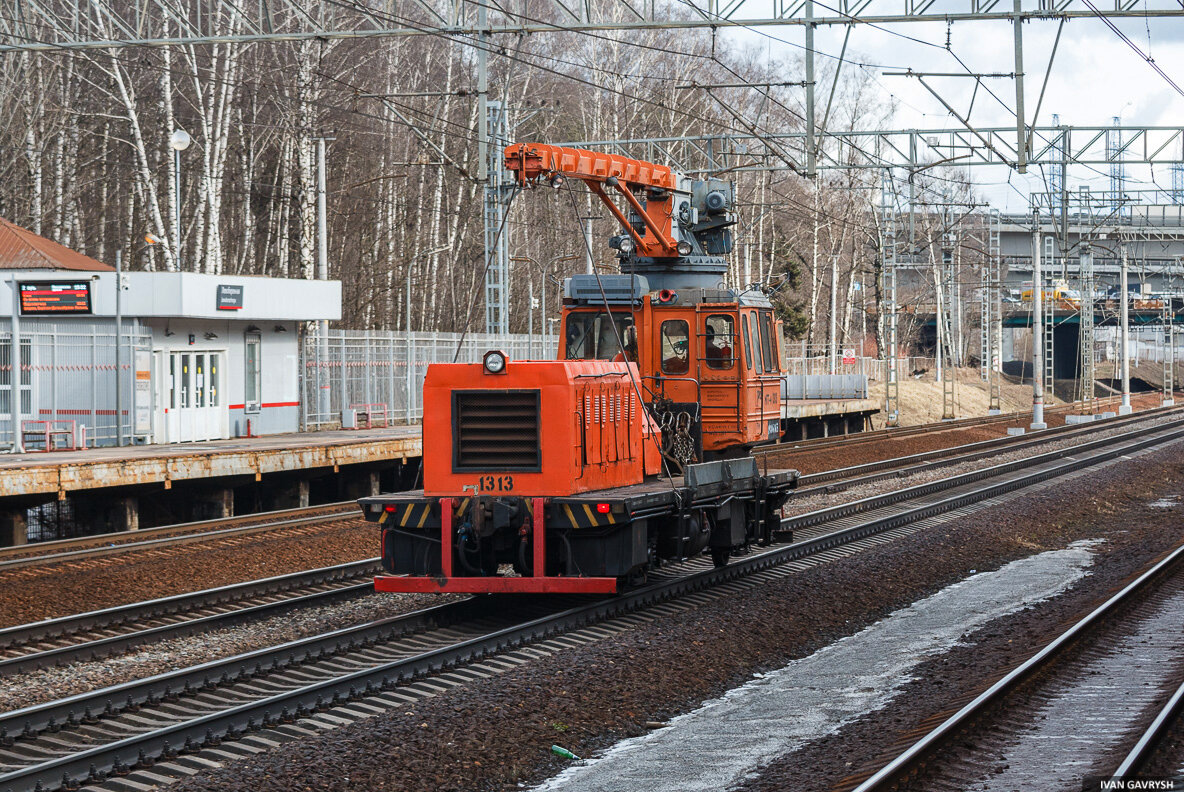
[[915, 149], [65, 24]]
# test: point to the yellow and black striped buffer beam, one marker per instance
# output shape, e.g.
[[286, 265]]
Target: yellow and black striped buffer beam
[[584, 515]]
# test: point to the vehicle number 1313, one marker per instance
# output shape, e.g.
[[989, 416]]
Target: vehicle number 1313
[[495, 483]]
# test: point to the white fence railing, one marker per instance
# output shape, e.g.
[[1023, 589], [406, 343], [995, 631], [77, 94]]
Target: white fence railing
[[387, 368], [68, 373]]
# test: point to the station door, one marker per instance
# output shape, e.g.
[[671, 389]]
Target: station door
[[195, 402]]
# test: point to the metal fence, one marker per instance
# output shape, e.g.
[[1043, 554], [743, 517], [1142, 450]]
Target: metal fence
[[875, 369], [355, 367], [68, 374], [823, 386]]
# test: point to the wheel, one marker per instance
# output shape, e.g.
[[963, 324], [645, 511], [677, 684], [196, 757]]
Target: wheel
[[720, 556]]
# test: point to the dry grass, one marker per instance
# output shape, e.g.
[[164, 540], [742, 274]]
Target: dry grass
[[921, 399]]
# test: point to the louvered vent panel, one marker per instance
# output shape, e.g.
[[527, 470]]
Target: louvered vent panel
[[496, 430]]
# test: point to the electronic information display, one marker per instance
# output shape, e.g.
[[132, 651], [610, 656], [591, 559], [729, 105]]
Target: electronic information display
[[46, 298]]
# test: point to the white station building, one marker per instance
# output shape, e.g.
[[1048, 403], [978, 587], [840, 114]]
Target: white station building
[[201, 357]]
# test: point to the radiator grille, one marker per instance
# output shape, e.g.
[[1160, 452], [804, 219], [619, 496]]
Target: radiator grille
[[496, 430]]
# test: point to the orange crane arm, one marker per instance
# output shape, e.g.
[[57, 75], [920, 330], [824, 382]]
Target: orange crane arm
[[532, 162]]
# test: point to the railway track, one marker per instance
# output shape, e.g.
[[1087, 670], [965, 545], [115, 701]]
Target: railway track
[[820, 443], [868, 472], [96, 634], [1027, 724], [1152, 738], [321, 681], [92, 635], [169, 535]]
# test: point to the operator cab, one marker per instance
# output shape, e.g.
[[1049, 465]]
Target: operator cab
[[708, 361]]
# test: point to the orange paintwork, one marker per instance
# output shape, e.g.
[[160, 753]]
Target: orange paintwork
[[535, 161], [739, 396], [593, 429]]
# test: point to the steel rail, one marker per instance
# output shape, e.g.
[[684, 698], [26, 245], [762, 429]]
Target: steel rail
[[210, 728], [230, 598], [909, 761], [101, 544], [1153, 735], [819, 443], [875, 501], [868, 472]]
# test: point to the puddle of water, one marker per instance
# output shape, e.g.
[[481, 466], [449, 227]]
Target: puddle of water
[[730, 738]]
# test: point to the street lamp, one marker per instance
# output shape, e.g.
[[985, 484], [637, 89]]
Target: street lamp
[[546, 273], [179, 141]]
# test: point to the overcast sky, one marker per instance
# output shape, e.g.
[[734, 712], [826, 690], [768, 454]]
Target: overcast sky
[[1095, 77]]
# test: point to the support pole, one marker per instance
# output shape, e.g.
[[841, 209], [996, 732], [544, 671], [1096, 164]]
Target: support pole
[[323, 389], [888, 253], [588, 244], [1021, 149], [1169, 355], [410, 355], [119, 348], [1125, 407], [14, 356], [811, 138], [1037, 328], [834, 309], [177, 212], [1087, 329]]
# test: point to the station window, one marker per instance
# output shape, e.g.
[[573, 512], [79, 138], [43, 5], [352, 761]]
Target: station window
[[718, 341], [252, 371], [590, 336], [185, 382], [212, 388], [26, 388], [747, 345], [767, 342], [676, 346]]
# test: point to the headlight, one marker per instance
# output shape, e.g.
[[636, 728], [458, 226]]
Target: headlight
[[494, 362], [684, 248], [626, 245]]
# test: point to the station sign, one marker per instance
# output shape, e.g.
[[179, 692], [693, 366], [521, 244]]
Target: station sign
[[50, 298], [230, 297]]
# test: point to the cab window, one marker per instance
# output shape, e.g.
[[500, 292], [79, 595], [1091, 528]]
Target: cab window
[[591, 336], [675, 337], [753, 337], [747, 345], [719, 341], [767, 341]]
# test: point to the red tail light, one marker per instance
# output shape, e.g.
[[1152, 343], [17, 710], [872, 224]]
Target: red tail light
[[603, 508]]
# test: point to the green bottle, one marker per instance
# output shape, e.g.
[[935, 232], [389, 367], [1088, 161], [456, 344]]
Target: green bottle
[[561, 751]]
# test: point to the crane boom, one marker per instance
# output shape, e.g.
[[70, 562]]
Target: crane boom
[[536, 162]]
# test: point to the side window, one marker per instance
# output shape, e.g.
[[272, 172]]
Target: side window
[[675, 346], [719, 340], [251, 376], [753, 337], [767, 342], [744, 340]]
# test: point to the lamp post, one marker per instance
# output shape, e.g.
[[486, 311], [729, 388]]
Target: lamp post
[[178, 142], [546, 273]]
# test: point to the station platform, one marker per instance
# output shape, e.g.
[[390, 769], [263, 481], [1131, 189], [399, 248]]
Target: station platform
[[62, 472], [802, 419]]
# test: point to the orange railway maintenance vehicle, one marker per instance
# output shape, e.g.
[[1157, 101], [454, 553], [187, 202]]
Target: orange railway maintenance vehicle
[[634, 447]]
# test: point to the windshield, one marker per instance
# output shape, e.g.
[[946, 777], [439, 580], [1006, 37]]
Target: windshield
[[590, 336]]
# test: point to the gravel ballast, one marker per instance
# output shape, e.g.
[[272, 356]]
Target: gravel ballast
[[47, 684], [497, 734], [47, 591]]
